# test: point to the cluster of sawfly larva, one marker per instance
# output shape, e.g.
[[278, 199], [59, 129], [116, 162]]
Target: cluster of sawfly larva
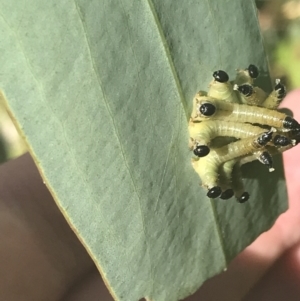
[[235, 123]]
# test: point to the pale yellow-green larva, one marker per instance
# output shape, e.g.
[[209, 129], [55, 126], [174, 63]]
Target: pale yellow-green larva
[[224, 115], [222, 91], [242, 77], [252, 96], [235, 173], [276, 96], [273, 150], [199, 99], [239, 190], [246, 76], [230, 177], [225, 179], [208, 166], [205, 108], [230, 181], [225, 174], [203, 132], [230, 172]]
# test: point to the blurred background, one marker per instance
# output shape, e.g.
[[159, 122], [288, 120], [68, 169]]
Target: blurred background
[[280, 26]]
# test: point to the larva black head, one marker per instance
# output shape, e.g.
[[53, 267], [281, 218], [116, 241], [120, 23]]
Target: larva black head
[[264, 138], [214, 192], [295, 134], [266, 158], [244, 197], [295, 131], [245, 89], [227, 194], [207, 109], [253, 71], [280, 89], [201, 150], [281, 140], [221, 76], [290, 123]]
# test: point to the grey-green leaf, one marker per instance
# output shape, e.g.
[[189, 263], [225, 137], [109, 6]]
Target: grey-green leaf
[[102, 91]]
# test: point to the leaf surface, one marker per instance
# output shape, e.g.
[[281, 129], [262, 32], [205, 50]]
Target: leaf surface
[[102, 91]]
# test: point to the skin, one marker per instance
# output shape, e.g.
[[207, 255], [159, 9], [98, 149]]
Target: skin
[[41, 258]]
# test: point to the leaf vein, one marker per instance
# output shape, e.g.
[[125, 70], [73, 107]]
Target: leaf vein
[[169, 57], [117, 134]]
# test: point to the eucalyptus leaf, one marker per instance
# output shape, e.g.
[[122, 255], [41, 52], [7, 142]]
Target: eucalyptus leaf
[[101, 91]]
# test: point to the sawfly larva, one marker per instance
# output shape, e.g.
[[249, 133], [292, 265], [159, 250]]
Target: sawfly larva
[[276, 96], [221, 88], [207, 108], [230, 173], [265, 158], [246, 76], [231, 176], [239, 191], [236, 124], [208, 166], [202, 133], [252, 96], [225, 179]]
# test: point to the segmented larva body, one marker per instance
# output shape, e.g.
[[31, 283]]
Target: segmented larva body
[[225, 180], [238, 185], [239, 113], [235, 149], [253, 114], [225, 174], [230, 179], [222, 91], [203, 132], [273, 150]]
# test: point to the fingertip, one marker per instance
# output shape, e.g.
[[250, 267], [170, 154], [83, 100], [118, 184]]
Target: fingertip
[[281, 282]]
